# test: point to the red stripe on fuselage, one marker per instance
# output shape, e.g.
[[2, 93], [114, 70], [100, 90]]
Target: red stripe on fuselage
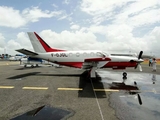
[[71, 64], [120, 64], [45, 45]]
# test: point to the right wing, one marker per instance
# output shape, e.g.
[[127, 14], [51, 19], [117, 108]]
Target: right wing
[[27, 52], [95, 62]]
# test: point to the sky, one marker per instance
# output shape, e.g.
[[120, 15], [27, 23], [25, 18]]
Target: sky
[[113, 26]]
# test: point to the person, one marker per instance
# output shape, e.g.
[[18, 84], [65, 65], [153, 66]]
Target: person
[[153, 78], [154, 64], [150, 62]]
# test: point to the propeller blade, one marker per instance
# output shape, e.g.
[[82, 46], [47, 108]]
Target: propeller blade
[[139, 99], [135, 83], [140, 55], [136, 66], [140, 68]]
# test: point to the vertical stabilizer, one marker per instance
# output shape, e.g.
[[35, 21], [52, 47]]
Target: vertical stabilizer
[[35, 43], [39, 44]]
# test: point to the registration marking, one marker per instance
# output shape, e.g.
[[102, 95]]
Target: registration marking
[[69, 89], [36, 88], [6, 87], [107, 90]]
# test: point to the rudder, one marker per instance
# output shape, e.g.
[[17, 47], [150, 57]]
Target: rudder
[[39, 44]]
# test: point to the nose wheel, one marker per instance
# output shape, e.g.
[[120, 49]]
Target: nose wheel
[[124, 75]]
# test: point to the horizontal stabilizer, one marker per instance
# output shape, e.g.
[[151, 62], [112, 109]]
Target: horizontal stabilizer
[[26, 52]]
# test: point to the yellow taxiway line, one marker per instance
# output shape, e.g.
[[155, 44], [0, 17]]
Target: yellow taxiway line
[[6, 87], [107, 90], [36, 88], [69, 89]]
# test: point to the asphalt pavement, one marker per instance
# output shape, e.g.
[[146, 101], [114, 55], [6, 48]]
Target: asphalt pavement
[[67, 93]]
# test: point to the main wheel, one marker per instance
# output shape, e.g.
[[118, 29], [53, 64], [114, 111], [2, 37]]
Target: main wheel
[[124, 74]]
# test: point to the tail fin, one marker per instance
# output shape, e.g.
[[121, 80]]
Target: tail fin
[[39, 44]]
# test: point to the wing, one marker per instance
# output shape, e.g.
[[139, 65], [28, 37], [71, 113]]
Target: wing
[[27, 52], [95, 62]]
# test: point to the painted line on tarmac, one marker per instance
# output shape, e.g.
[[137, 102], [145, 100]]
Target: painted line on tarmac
[[107, 90], [6, 87], [35, 88], [69, 89], [99, 107]]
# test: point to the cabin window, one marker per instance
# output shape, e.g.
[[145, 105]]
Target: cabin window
[[92, 54], [85, 54], [70, 54], [98, 54], [77, 54]]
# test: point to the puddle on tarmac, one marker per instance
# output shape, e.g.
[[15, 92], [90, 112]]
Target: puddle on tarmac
[[127, 105], [45, 113]]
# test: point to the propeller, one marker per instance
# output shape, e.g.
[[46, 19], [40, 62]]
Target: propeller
[[139, 61], [140, 55], [139, 99], [138, 96]]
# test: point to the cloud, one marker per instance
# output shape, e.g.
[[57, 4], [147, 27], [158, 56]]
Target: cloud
[[96, 7], [120, 40], [66, 2], [146, 13], [11, 17], [15, 18], [75, 27], [109, 26], [2, 40], [54, 5], [79, 40], [69, 40], [35, 14], [117, 22], [153, 41], [21, 41], [132, 12]]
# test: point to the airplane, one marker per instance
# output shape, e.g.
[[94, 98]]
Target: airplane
[[16, 57], [84, 59], [31, 61], [35, 62]]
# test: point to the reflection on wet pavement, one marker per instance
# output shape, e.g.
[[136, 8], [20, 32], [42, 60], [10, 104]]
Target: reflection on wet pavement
[[45, 113], [125, 102]]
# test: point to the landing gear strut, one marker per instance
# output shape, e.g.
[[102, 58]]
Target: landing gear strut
[[124, 75]]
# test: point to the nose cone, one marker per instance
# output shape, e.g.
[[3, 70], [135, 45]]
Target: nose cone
[[140, 60]]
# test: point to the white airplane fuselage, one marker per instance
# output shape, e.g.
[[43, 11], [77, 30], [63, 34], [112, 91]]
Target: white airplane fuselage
[[77, 58]]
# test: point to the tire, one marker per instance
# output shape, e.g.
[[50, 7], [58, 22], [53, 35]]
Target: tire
[[124, 74]]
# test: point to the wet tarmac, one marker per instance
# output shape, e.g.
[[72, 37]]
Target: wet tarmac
[[138, 97], [68, 93]]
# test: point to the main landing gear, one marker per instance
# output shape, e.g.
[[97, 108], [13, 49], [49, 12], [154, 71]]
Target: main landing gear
[[124, 75]]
